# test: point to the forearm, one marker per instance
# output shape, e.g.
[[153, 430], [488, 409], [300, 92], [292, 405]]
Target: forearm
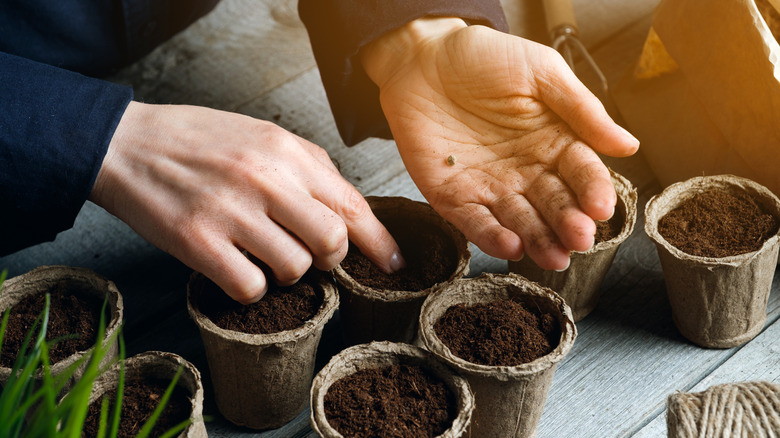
[[55, 127]]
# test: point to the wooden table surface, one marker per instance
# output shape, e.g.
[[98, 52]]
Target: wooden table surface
[[253, 57]]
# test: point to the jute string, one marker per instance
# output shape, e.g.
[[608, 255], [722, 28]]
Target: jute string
[[748, 409]]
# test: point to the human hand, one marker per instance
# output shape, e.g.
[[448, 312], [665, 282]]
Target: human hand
[[519, 126], [204, 185]]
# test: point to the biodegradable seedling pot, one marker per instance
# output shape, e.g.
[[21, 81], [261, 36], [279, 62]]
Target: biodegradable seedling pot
[[164, 366], [82, 282], [509, 399], [379, 313], [580, 284], [381, 355], [261, 381], [717, 302]]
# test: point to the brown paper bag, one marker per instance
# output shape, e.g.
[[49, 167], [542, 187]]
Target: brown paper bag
[[704, 97]]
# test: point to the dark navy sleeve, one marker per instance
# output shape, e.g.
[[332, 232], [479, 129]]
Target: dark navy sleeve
[[55, 127], [339, 28]]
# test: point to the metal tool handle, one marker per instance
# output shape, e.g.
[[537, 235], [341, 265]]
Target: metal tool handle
[[560, 16]]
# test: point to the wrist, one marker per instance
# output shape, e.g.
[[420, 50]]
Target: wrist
[[102, 189], [389, 53]]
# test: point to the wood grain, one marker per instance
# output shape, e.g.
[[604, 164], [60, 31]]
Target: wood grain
[[253, 57]]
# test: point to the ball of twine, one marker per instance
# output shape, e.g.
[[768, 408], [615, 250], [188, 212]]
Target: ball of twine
[[746, 409]]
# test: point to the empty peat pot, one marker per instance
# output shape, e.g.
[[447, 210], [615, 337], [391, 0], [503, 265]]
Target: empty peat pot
[[77, 295], [260, 380], [509, 398], [380, 307], [580, 284], [377, 402], [153, 367], [717, 301]]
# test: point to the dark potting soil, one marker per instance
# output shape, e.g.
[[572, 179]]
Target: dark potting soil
[[430, 256], [501, 332], [611, 228], [280, 309], [139, 400], [394, 402], [716, 223], [74, 317]]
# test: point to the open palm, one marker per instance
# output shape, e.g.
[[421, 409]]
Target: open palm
[[500, 137]]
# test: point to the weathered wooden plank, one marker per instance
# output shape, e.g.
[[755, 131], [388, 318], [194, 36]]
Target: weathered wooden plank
[[628, 355], [240, 50], [758, 360]]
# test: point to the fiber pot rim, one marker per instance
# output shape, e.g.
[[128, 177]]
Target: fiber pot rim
[[330, 302], [627, 195], [424, 212], [377, 354], [193, 383], [43, 275], [492, 286], [679, 192]]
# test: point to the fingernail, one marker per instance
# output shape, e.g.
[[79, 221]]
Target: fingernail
[[263, 289], [397, 262], [568, 263], [628, 135], [519, 258]]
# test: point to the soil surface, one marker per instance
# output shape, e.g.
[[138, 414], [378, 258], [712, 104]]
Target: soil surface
[[139, 399], [716, 223], [73, 315], [501, 332], [611, 228], [394, 402], [430, 256], [280, 309]]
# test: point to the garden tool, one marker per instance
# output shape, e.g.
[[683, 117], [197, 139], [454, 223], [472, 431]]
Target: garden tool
[[562, 26]]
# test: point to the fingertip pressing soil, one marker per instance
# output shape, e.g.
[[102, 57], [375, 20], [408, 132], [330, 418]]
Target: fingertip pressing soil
[[74, 318], [430, 256], [501, 332], [139, 399], [610, 228], [281, 308], [716, 223], [394, 402]]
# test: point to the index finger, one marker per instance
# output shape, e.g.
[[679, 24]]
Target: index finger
[[561, 90]]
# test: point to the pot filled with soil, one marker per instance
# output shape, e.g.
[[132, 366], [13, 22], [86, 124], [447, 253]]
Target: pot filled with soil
[[77, 297], [580, 284], [386, 389], [717, 238], [505, 335], [147, 377], [385, 307], [262, 356]]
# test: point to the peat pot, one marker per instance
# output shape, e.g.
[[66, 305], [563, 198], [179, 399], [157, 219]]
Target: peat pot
[[80, 282], [261, 381], [380, 355], [580, 284], [381, 311], [717, 302], [164, 366], [509, 399]]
